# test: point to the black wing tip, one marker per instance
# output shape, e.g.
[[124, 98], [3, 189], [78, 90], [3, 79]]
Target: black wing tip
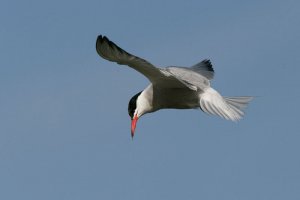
[[103, 39], [208, 64], [109, 45], [100, 40]]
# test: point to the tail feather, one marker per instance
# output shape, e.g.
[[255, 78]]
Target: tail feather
[[240, 102], [230, 108]]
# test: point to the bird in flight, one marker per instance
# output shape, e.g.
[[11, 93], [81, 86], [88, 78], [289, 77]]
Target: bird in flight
[[173, 87]]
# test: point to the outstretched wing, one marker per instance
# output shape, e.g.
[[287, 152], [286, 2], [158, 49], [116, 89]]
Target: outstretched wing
[[189, 77], [110, 51], [197, 76]]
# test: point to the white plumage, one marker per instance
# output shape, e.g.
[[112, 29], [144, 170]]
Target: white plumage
[[173, 87]]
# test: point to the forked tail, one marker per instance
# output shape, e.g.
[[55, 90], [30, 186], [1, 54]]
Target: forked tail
[[230, 108]]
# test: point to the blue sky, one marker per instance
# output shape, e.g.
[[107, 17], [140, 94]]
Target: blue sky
[[65, 131]]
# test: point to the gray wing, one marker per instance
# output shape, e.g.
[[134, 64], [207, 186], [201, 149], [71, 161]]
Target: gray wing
[[110, 51], [190, 77], [204, 68]]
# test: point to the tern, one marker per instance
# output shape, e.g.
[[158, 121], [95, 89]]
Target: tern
[[173, 87]]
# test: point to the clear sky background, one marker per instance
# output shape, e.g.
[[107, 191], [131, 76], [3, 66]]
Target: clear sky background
[[65, 131]]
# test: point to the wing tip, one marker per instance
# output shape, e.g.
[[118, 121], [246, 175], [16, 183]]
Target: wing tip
[[204, 65], [98, 42], [101, 39], [208, 64]]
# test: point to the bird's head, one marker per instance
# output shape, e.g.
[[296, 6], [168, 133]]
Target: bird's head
[[137, 106]]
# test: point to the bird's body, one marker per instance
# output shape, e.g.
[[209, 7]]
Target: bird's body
[[177, 98], [173, 87]]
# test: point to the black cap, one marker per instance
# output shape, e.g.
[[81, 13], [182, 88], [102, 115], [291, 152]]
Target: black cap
[[132, 105]]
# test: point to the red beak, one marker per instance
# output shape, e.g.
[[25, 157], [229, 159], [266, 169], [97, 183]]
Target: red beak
[[133, 125]]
